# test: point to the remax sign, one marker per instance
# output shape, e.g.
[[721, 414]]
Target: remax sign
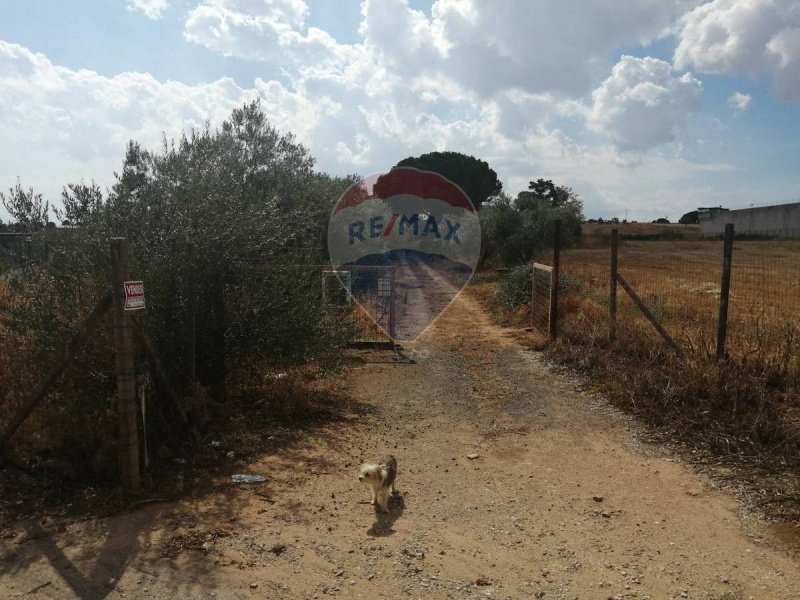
[[419, 222]]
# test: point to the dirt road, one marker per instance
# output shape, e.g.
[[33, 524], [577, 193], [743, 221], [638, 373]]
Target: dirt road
[[559, 500]]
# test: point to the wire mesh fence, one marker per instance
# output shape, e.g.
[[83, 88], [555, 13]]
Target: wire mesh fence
[[541, 281], [679, 283], [365, 295]]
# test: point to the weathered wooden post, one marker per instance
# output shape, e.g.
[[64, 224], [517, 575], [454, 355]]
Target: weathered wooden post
[[725, 290], [612, 287], [128, 443], [554, 281]]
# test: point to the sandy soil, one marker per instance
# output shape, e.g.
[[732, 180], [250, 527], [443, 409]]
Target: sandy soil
[[559, 500]]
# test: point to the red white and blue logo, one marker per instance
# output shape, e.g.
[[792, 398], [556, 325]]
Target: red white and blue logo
[[421, 224]]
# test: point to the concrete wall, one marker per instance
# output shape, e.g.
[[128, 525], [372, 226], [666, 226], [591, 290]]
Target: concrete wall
[[782, 220]]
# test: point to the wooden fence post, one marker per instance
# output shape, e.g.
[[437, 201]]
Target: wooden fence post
[[554, 281], [128, 444], [612, 287], [725, 290]]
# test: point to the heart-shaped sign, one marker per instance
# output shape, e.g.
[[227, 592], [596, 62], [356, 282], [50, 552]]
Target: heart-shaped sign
[[412, 239]]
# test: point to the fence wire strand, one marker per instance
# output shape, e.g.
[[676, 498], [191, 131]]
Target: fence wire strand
[[679, 282]]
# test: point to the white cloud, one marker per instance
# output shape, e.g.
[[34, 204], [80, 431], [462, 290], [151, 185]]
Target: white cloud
[[739, 102], [748, 37], [506, 81], [643, 103], [485, 48], [470, 75], [152, 9], [260, 30], [83, 120]]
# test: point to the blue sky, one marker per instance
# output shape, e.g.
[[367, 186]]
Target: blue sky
[[647, 106]]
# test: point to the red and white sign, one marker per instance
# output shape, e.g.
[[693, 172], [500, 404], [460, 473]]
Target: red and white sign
[[134, 295]]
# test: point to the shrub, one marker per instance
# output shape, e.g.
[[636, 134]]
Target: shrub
[[225, 229], [515, 286], [515, 232]]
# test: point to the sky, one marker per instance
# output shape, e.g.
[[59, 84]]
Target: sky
[[646, 108]]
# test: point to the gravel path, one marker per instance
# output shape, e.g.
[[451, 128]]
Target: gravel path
[[512, 484]]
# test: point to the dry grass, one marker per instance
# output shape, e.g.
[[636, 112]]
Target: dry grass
[[597, 235], [746, 405], [741, 414], [679, 281]]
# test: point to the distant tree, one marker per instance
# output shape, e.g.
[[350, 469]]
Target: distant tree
[[515, 231], [545, 190], [80, 202], [25, 207], [478, 180], [661, 221], [690, 218]]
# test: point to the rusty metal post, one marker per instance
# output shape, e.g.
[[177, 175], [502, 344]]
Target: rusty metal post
[[725, 290], [554, 281], [128, 444], [612, 286]]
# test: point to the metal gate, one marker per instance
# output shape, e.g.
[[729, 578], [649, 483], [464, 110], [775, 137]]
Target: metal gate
[[368, 295]]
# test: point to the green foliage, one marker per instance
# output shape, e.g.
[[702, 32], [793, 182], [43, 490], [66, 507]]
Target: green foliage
[[514, 232], [79, 201], [478, 180], [25, 207], [225, 227], [515, 286], [516, 283]]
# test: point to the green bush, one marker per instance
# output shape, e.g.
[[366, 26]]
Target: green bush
[[515, 232], [225, 228], [515, 286]]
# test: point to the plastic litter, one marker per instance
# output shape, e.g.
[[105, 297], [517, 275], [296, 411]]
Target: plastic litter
[[245, 478]]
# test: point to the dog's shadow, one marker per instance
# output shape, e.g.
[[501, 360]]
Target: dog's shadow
[[382, 526]]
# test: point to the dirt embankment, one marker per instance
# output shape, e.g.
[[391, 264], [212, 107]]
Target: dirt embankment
[[512, 484]]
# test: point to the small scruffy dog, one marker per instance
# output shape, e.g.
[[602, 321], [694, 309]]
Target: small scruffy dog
[[381, 478]]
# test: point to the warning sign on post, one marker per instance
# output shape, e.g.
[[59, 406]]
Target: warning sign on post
[[134, 295]]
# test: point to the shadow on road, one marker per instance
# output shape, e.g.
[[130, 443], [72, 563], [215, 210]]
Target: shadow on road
[[382, 526]]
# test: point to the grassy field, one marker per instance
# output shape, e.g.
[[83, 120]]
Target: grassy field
[[679, 280], [747, 405], [595, 234]]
